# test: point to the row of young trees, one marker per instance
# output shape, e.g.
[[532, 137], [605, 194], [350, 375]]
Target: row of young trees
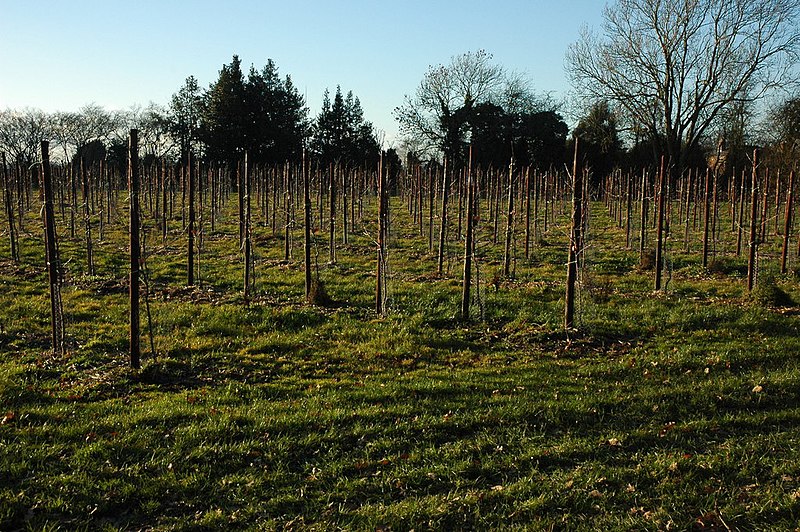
[[670, 209], [518, 201]]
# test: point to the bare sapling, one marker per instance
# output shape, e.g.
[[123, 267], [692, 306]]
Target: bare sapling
[[509, 222], [662, 193], [9, 206], [787, 221], [135, 259], [247, 245], [380, 278], [443, 217], [87, 219], [469, 240], [53, 262], [574, 242], [753, 250]]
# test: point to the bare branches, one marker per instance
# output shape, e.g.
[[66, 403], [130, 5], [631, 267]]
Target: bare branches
[[470, 78], [675, 66], [21, 132]]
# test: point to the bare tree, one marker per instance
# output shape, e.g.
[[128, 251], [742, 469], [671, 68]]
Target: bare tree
[[21, 132], [675, 65], [782, 133], [430, 116], [155, 137], [73, 131]]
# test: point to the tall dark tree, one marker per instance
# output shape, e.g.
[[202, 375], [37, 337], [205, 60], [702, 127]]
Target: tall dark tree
[[184, 114], [277, 117], [531, 137], [540, 139], [601, 147], [392, 166], [224, 115], [341, 135], [491, 135]]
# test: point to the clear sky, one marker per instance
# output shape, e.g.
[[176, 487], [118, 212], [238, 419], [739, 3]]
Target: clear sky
[[61, 55]]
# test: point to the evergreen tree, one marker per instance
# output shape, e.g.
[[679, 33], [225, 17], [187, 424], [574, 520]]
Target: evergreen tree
[[341, 135], [183, 116], [224, 116], [277, 118], [600, 145], [292, 125]]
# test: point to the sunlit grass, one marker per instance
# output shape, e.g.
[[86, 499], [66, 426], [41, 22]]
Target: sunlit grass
[[664, 410]]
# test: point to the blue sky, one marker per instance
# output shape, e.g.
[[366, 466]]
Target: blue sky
[[57, 55]]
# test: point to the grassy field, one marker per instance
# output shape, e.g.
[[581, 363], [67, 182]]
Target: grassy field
[[671, 410]]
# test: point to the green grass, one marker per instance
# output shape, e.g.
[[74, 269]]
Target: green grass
[[672, 410]]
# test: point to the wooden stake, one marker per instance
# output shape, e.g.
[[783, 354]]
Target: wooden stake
[[53, 274], [307, 226], [751, 258], [509, 221], [706, 216], [574, 240], [247, 244], [662, 187], [443, 220], [9, 204], [468, 242], [787, 221], [380, 287], [133, 188]]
